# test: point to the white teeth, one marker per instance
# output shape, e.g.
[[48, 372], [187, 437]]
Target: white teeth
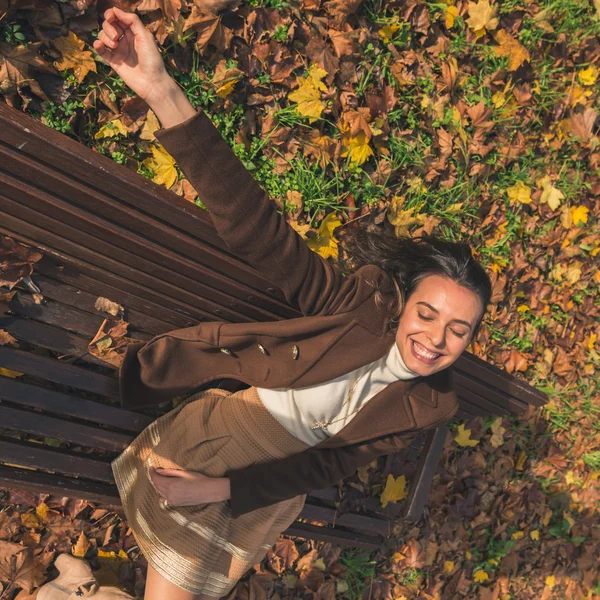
[[424, 353]]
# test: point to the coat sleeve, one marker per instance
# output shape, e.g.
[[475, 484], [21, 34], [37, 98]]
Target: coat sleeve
[[264, 484], [246, 218]]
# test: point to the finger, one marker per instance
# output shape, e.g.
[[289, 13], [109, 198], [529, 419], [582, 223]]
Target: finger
[[107, 41], [170, 472], [131, 20], [112, 30], [99, 47]]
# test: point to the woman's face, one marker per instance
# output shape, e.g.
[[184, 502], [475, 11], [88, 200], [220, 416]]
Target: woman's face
[[436, 324]]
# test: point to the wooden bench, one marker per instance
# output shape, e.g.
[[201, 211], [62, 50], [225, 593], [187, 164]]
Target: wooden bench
[[106, 231]]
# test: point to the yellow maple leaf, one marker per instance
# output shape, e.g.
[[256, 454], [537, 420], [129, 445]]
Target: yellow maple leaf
[[394, 490], [519, 193], [387, 32], [357, 148], [448, 567], [402, 218], [509, 46], [4, 372], [573, 273], [480, 576], [579, 214], [520, 461], [464, 437], [74, 56], [534, 535], [111, 129], [42, 510], [499, 99], [517, 535], [450, 16], [550, 581], [324, 244], [163, 165], [588, 76], [308, 94], [482, 17]]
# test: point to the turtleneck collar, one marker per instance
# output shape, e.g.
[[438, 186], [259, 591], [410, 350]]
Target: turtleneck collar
[[397, 366]]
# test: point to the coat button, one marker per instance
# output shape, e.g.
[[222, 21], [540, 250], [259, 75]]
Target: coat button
[[295, 351], [262, 349], [226, 351]]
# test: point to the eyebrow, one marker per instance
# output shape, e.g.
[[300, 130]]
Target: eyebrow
[[435, 310]]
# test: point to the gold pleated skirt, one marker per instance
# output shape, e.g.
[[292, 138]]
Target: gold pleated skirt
[[201, 548]]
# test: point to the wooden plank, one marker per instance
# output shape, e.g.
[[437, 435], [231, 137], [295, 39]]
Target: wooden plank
[[72, 296], [25, 394], [63, 316], [58, 372], [217, 280], [372, 524], [67, 431], [426, 467], [39, 482], [95, 281], [492, 375], [205, 244], [494, 395], [336, 536], [56, 460], [53, 338], [70, 240]]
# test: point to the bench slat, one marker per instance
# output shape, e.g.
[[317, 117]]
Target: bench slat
[[508, 383], [58, 460], [340, 537], [66, 431], [50, 337], [71, 296], [204, 241], [63, 316], [99, 283], [81, 226], [58, 372], [33, 396], [426, 468], [106, 256]]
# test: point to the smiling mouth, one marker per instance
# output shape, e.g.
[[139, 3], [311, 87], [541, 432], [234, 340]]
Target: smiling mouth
[[423, 354]]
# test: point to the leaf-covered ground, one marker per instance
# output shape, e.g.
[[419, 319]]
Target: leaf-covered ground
[[471, 120]]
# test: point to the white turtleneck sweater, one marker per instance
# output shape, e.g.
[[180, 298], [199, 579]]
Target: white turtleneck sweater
[[298, 409]]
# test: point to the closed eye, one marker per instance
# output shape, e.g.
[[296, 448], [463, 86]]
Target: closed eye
[[460, 335]]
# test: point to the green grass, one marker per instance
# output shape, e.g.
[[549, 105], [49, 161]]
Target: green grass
[[359, 570]]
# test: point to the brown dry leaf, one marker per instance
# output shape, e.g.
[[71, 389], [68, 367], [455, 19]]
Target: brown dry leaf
[[20, 66], [283, 555], [210, 30], [74, 56], [512, 48], [21, 567], [7, 340], [16, 261], [106, 305], [5, 301], [581, 124]]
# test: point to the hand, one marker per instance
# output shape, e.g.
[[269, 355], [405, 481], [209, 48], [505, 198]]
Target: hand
[[187, 488], [135, 58]]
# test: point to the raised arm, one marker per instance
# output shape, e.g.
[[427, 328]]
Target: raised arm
[[243, 214]]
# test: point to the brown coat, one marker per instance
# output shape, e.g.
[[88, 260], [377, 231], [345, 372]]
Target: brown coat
[[342, 330]]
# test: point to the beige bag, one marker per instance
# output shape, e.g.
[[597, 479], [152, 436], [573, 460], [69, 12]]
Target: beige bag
[[76, 581]]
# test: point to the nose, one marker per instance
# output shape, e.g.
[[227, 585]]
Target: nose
[[437, 337]]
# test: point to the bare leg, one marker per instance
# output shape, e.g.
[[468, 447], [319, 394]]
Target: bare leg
[[159, 588]]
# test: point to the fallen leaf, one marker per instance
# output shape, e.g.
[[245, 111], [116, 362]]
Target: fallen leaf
[[512, 48], [111, 129], [463, 438], [482, 17], [74, 56], [395, 490], [324, 244], [163, 165]]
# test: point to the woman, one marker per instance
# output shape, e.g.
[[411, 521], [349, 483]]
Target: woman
[[358, 376]]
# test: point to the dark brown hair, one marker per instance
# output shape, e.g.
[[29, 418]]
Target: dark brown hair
[[407, 261]]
